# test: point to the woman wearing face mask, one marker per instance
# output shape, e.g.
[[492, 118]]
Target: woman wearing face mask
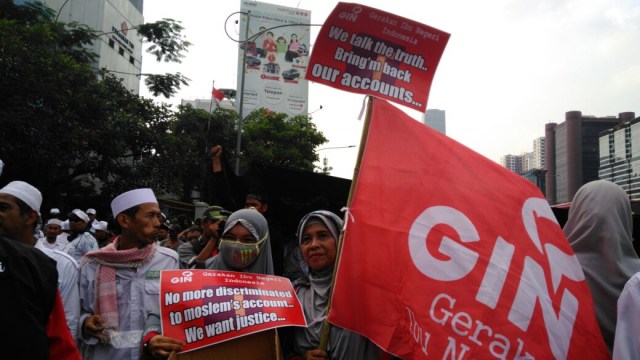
[[318, 232], [244, 245]]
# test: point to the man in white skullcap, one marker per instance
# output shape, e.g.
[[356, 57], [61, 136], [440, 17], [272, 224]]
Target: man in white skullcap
[[93, 221], [20, 203], [81, 241], [51, 238], [102, 234], [54, 213], [113, 322]]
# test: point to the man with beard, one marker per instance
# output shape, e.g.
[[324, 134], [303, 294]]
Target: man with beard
[[120, 283]]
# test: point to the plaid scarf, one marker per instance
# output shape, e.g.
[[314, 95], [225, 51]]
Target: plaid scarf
[[109, 259]]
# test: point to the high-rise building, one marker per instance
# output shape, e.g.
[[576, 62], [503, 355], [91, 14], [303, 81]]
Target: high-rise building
[[512, 162], [538, 154], [527, 161], [119, 48], [572, 157], [620, 156], [435, 119]]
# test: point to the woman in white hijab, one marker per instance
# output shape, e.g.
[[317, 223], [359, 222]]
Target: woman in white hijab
[[244, 245], [318, 232], [599, 230]]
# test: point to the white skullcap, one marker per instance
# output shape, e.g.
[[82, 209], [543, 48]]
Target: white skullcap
[[54, 222], [54, 211], [80, 214], [65, 225], [102, 225], [25, 192], [132, 198], [91, 211]]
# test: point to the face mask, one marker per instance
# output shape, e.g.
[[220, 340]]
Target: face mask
[[239, 255]]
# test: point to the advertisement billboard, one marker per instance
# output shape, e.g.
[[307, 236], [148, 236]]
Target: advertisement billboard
[[277, 52]]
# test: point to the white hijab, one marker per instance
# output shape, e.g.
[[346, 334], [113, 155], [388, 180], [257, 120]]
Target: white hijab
[[599, 230]]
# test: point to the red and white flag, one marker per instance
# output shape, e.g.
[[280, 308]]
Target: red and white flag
[[215, 93], [448, 255]]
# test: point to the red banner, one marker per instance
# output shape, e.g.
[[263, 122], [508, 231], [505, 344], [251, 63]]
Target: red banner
[[449, 255], [205, 307], [364, 50]]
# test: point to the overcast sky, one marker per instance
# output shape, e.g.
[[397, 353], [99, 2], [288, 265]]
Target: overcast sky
[[510, 66]]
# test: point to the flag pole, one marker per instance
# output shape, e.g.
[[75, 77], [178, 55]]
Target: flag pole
[[326, 326]]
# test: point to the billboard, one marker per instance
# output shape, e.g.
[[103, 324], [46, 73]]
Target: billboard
[[277, 52]]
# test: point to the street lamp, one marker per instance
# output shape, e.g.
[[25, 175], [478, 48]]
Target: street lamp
[[337, 147]]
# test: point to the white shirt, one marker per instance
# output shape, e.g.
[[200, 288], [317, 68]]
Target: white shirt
[[137, 294], [627, 339], [68, 280], [81, 245], [60, 243]]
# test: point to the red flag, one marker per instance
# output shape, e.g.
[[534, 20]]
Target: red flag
[[448, 255], [216, 94]]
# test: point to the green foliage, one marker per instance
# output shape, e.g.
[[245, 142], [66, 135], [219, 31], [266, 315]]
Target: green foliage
[[81, 137], [166, 38], [74, 134], [167, 84], [194, 132], [277, 140]]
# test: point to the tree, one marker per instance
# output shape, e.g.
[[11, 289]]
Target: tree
[[185, 160], [278, 140], [74, 134]]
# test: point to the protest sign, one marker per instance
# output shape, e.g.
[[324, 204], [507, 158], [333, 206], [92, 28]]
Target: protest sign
[[452, 256], [365, 50], [205, 307]]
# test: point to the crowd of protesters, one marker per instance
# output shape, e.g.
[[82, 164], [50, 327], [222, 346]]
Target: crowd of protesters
[[97, 294]]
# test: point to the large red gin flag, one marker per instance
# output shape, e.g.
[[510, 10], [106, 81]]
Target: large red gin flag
[[448, 255], [365, 50]]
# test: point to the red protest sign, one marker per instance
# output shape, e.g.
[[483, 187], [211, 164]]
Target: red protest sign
[[452, 256], [205, 307], [364, 50]]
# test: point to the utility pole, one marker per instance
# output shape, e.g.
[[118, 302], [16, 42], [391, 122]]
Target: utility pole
[[244, 64]]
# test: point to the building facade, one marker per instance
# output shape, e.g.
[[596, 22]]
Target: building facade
[[538, 154], [436, 120], [572, 152], [119, 48], [513, 163], [620, 156], [210, 105]]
